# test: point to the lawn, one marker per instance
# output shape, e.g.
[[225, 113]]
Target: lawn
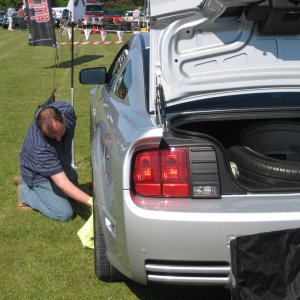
[[41, 258]]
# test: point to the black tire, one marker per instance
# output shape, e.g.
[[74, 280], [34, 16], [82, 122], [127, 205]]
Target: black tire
[[108, 26], [125, 23], [116, 26], [104, 270], [256, 170], [125, 28], [107, 20]]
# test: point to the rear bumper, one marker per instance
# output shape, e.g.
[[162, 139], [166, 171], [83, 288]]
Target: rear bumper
[[194, 247]]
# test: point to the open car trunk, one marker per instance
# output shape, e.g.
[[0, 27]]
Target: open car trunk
[[261, 146]]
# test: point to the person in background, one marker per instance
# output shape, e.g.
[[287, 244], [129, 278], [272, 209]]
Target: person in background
[[9, 14], [21, 15], [26, 14], [48, 182], [136, 14]]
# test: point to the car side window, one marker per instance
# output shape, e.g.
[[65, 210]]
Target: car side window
[[116, 65], [124, 82]]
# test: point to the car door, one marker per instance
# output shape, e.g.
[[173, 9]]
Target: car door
[[106, 116]]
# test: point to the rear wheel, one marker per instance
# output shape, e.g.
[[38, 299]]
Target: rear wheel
[[103, 268]]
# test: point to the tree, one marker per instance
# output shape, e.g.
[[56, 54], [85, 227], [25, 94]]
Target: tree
[[4, 4]]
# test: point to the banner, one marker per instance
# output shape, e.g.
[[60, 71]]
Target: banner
[[120, 35], [41, 24], [87, 32], [103, 34], [77, 8]]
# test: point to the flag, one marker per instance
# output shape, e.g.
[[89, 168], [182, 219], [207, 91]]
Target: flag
[[120, 35], [103, 34], [69, 30], [87, 32], [40, 20], [77, 8]]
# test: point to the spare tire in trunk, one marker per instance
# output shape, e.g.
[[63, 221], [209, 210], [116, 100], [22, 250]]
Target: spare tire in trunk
[[277, 139], [256, 171]]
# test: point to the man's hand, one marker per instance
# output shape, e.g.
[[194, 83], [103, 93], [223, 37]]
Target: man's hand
[[70, 189]]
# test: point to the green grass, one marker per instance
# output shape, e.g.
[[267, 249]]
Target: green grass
[[41, 258]]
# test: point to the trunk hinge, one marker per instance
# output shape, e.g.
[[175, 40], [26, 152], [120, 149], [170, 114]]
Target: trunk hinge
[[160, 113]]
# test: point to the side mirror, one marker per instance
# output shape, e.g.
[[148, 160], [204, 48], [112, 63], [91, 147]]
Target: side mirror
[[93, 76]]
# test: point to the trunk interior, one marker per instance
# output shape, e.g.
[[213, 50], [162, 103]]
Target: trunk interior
[[262, 147]]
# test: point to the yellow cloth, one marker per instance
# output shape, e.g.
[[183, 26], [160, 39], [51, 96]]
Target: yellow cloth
[[86, 232]]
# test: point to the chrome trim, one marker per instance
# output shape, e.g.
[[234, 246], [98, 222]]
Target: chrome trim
[[187, 269], [188, 274], [189, 280]]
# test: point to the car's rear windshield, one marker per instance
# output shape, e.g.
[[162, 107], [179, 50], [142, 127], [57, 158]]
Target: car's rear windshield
[[94, 8], [243, 101]]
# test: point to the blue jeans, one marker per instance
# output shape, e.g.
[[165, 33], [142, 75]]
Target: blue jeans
[[48, 199], [21, 23]]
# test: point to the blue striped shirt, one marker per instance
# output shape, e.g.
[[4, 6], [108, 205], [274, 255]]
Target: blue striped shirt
[[41, 157]]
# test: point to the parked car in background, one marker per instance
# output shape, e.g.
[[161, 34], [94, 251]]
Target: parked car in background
[[137, 25], [57, 11], [1, 19], [65, 16], [113, 21], [128, 15], [93, 14], [112, 16], [15, 23], [196, 141], [57, 15]]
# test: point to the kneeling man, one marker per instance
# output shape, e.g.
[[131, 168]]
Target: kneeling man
[[48, 183]]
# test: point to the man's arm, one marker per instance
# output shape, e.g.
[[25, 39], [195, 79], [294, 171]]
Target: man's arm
[[69, 189]]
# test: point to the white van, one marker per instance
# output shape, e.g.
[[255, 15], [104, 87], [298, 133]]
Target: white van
[[57, 11]]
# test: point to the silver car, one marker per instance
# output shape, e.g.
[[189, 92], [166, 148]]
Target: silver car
[[196, 139]]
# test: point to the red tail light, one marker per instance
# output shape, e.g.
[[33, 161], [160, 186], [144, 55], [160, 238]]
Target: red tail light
[[162, 173]]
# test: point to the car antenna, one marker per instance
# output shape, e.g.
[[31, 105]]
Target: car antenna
[[51, 99]]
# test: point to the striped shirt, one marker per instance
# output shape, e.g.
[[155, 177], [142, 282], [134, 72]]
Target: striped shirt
[[42, 157]]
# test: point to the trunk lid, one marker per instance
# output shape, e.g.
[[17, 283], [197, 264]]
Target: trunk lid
[[213, 48]]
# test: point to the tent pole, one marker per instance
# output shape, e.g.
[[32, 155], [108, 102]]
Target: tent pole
[[72, 88]]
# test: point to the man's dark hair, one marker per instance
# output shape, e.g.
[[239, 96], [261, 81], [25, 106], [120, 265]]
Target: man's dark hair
[[45, 118]]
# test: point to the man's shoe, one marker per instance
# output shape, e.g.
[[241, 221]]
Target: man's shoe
[[21, 206], [16, 180], [24, 207]]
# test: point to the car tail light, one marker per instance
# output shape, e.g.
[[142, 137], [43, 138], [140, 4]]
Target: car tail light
[[162, 173]]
